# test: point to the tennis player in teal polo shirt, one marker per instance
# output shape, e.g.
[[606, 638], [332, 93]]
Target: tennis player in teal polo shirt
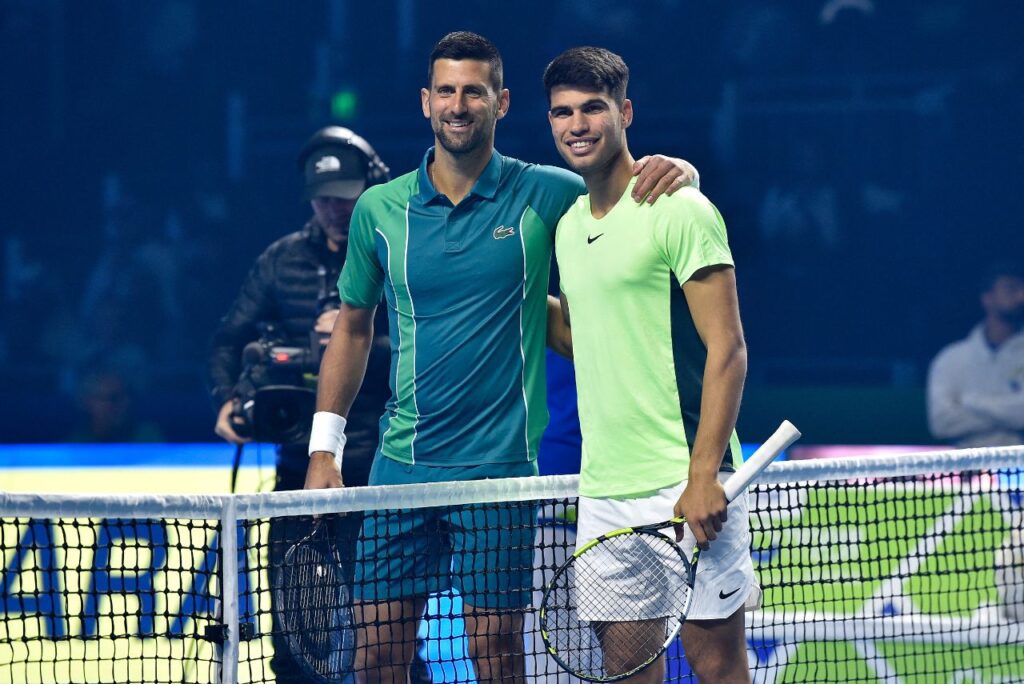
[[460, 249]]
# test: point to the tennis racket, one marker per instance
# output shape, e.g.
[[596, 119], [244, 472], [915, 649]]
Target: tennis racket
[[314, 606], [617, 604]]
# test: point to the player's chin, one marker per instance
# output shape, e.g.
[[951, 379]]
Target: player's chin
[[574, 163]]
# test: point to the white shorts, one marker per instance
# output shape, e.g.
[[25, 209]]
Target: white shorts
[[725, 573]]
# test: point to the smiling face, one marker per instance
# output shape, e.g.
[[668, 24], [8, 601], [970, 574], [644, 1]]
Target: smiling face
[[589, 127], [462, 105]]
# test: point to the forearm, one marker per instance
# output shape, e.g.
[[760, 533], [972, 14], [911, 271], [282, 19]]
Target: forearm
[[724, 374], [559, 337], [948, 417], [1006, 411]]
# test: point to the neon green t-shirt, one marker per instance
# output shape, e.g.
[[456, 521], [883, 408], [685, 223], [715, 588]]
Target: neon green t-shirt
[[639, 360]]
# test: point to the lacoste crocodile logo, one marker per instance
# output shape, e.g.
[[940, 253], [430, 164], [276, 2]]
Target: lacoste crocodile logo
[[502, 232]]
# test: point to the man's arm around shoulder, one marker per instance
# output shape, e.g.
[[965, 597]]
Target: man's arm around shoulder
[[341, 375]]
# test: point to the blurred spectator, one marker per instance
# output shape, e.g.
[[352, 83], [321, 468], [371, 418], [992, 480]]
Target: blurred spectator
[[21, 281], [106, 401], [802, 260], [976, 385], [133, 294], [802, 216]]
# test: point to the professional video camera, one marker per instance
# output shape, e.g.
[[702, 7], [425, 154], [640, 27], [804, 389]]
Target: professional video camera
[[277, 388]]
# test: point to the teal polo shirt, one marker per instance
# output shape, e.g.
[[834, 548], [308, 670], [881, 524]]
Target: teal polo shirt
[[466, 290]]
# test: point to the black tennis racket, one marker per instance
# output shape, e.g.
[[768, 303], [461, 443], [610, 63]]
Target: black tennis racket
[[617, 604], [313, 601]]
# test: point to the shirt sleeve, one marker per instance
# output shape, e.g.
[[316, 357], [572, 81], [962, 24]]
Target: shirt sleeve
[[557, 189], [362, 277], [690, 234]]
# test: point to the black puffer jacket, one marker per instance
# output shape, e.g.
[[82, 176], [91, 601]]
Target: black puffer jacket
[[282, 288]]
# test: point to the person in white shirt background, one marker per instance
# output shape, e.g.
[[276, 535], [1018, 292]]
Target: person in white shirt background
[[976, 385]]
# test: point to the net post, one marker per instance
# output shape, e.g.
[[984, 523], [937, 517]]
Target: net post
[[229, 589]]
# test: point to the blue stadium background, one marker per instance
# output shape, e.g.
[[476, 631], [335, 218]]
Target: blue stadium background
[[865, 154]]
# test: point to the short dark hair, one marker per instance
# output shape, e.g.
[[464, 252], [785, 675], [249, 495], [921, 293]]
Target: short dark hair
[[999, 269], [460, 45], [589, 68]]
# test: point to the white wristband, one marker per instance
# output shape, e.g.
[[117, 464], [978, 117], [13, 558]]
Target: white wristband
[[328, 434]]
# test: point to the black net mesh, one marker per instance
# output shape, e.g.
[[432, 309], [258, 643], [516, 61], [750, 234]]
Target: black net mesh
[[877, 580], [108, 600]]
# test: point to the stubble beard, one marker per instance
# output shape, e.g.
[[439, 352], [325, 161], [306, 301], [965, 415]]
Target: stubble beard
[[464, 145], [458, 146]]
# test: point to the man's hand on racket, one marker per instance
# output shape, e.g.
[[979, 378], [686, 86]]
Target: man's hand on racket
[[323, 471], [705, 508]]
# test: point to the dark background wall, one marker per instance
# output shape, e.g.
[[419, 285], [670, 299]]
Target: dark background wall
[[865, 155]]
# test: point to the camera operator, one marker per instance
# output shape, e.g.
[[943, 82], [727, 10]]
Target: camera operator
[[291, 296], [282, 316]]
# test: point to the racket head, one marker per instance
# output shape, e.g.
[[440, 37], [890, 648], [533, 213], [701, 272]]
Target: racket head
[[615, 606], [313, 601]]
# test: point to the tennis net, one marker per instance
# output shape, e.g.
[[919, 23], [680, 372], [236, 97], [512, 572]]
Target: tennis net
[[907, 568]]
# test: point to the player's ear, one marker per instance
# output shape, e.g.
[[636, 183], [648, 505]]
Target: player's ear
[[425, 102], [627, 112], [503, 102]]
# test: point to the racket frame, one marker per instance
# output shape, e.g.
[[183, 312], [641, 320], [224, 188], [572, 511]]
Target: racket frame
[[690, 579], [293, 637]]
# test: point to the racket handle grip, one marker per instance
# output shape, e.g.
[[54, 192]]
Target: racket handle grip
[[759, 460]]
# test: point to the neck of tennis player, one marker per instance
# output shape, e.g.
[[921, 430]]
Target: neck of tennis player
[[455, 173], [608, 182]]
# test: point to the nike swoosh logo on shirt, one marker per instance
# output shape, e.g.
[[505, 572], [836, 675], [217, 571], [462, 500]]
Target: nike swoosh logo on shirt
[[591, 239]]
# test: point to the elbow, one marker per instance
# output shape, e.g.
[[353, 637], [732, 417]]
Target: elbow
[[726, 363], [735, 356], [561, 344]]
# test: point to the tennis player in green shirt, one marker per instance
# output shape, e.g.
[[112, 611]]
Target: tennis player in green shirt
[[650, 294]]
